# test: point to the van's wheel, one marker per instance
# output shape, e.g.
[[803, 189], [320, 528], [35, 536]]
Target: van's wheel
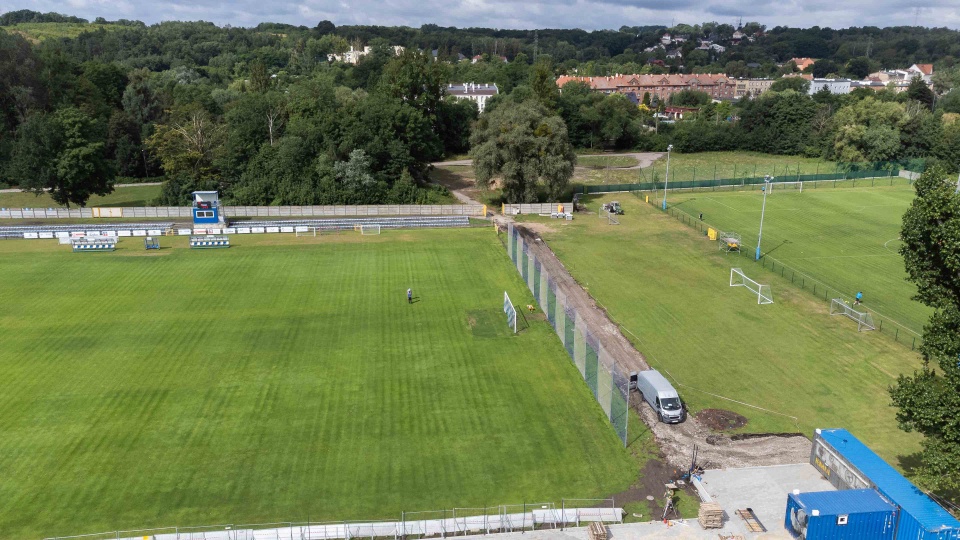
[[660, 416]]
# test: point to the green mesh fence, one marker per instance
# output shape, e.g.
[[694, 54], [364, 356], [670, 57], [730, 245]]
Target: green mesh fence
[[590, 367]]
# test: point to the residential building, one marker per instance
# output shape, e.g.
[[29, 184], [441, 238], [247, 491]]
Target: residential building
[[675, 54], [716, 85], [803, 63], [353, 56], [752, 87], [478, 93], [924, 70], [835, 86]]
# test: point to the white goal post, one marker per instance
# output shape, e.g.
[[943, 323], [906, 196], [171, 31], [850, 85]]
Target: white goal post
[[763, 292], [790, 186], [369, 229], [839, 306], [510, 311], [305, 231]]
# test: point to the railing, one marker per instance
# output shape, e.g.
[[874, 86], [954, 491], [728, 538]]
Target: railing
[[434, 523]]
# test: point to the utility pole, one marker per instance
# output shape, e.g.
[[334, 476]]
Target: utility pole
[[763, 210], [667, 179]]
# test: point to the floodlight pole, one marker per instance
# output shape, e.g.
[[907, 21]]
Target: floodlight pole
[[667, 179], [763, 210]]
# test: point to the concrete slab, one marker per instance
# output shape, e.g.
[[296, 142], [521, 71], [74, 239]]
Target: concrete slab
[[764, 489]]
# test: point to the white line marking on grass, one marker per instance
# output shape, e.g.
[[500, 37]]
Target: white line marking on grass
[[720, 203], [887, 242]]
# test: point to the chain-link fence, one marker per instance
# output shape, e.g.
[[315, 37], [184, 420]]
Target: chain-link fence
[[609, 385], [826, 175]]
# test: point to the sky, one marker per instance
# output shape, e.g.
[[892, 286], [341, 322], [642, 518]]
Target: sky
[[514, 14]]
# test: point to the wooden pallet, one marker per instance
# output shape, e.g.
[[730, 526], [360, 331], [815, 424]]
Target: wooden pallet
[[597, 531], [751, 520]]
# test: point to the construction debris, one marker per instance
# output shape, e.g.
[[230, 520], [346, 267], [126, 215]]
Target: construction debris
[[711, 515]]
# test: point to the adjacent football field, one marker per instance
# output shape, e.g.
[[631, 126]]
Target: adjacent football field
[[788, 366], [282, 379], [844, 238]]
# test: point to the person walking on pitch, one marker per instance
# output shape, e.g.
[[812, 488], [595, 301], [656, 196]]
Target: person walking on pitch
[[409, 296], [858, 299]]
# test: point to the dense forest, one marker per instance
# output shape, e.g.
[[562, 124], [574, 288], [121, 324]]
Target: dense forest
[[262, 114]]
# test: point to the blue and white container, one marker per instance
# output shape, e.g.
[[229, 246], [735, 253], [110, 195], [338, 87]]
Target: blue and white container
[[849, 464], [840, 515]]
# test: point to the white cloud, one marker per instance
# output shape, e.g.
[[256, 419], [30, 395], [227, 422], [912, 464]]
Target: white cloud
[[586, 14]]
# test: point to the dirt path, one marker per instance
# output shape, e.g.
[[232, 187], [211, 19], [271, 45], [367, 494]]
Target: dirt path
[[676, 442], [18, 190], [644, 159]]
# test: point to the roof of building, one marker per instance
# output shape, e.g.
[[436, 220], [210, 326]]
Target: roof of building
[[628, 81], [803, 62], [848, 501], [472, 89], [889, 482], [926, 69]]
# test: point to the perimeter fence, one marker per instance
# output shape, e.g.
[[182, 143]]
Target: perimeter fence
[[804, 281], [609, 385], [874, 171]]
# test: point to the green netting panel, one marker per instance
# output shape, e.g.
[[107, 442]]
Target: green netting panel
[[551, 306], [604, 383], [559, 317], [579, 345], [544, 296], [530, 276], [568, 332], [590, 367], [524, 263], [618, 415], [520, 255], [511, 242]]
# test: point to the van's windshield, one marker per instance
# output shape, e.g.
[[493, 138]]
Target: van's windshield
[[670, 404]]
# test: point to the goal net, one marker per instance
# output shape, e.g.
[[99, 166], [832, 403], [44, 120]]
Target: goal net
[[510, 311], [306, 231], [839, 306], [369, 229], [785, 186], [739, 279]]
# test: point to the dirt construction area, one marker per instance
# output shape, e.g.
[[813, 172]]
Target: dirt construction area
[[677, 442]]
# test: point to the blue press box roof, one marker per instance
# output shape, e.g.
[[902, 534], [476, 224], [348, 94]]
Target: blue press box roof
[[848, 501], [889, 482]]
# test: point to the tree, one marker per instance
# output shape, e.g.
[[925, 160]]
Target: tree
[[689, 98], [544, 85], [62, 154], [822, 68], [189, 143], [859, 67], [527, 146], [919, 91], [929, 400], [868, 130], [798, 84]]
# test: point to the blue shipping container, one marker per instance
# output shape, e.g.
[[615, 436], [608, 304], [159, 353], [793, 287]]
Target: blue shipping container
[[920, 517], [840, 515]]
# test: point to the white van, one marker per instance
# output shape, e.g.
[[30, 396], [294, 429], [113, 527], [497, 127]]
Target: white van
[[660, 394]]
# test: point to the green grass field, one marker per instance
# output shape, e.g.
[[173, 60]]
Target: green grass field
[[121, 196], [669, 288], [282, 379], [846, 239]]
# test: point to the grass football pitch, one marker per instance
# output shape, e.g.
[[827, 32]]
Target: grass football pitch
[[843, 238], [788, 366], [282, 379]]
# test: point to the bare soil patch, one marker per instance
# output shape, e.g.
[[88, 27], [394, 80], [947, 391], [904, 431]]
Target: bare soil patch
[[720, 419]]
